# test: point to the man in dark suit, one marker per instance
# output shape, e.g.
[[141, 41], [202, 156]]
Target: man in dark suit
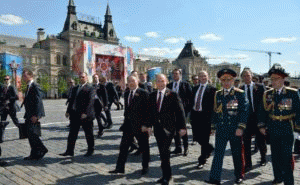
[[71, 84], [183, 89], [112, 95], [254, 93], [34, 110], [100, 102], [81, 112], [2, 162], [135, 124], [143, 82], [202, 108], [167, 116], [8, 97]]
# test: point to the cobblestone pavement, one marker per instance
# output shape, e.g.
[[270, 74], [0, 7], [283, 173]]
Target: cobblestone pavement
[[54, 169]]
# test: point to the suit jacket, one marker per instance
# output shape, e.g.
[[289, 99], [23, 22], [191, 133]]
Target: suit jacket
[[146, 86], [136, 113], [207, 99], [83, 100], [111, 92], [171, 115], [185, 93], [33, 102], [11, 96], [101, 100]]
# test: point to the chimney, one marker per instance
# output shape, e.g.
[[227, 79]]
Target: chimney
[[40, 34]]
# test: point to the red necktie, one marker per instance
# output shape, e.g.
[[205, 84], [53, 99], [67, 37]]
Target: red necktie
[[158, 102]]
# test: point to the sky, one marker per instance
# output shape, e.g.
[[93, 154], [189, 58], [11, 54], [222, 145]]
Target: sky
[[221, 30]]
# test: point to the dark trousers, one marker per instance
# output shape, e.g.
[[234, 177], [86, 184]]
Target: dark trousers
[[98, 116], [201, 127], [164, 143], [260, 141], [126, 142], [108, 115], [297, 146], [87, 126], [35, 142], [13, 115], [222, 137], [281, 151]]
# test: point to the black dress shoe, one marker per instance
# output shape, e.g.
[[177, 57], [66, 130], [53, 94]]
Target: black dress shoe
[[67, 154], [200, 166], [116, 171], [186, 152], [166, 181], [216, 182], [42, 153], [3, 163], [144, 171], [239, 180], [277, 181], [248, 169], [263, 162], [100, 134], [137, 153], [176, 151], [160, 180], [89, 153]]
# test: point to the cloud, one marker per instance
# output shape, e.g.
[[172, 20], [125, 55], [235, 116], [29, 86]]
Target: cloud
[[210, 37], [203, 51], [155, 51], [132, 39], [278, 40], [289, 62], [152, 34], [12, 19], [174, 40], [229, 58]]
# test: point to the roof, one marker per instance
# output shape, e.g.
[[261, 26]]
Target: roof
[[188, 51], [17, 41]]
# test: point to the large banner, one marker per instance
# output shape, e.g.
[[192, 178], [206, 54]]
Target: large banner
[[112, 61]]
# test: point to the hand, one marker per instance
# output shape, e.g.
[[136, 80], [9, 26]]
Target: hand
[[182, 132], [67, 115], [83, 116], [263, 131], [34, 119], [147, 129], [239, 132]]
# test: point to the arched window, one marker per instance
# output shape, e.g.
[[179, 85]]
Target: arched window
[[58, 62]]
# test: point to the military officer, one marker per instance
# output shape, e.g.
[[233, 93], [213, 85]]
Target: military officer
[[282, 106], [229, 117]]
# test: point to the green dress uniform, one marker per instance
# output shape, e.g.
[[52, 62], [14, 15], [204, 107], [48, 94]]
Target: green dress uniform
[[230, 113], [283, 117]]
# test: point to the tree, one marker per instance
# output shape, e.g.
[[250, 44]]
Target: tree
[[44, 83], [62, 85]]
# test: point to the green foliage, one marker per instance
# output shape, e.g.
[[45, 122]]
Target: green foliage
[[218, 86], [3, 73], [62, 85], [23, 86], [44, 82]]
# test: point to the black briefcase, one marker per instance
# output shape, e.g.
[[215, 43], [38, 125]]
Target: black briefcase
[[23, 131], [37, 128]]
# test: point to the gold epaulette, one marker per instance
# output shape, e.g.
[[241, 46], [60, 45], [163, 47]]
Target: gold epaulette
[[217, 109], [270, 106], [291, 89]]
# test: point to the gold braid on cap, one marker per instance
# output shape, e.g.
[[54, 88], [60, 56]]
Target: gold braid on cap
[[216, 108], [268, 107]]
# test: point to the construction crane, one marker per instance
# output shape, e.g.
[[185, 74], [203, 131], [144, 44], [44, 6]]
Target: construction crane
[[260, 51]]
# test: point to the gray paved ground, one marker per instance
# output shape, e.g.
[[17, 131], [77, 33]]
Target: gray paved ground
[[54, 169]]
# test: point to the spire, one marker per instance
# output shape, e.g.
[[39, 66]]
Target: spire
[[107, 10], [71, 3]]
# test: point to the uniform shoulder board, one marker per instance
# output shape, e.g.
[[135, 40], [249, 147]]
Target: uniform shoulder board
[[291, 89], [219, 91], [267, 91], [238, 90]]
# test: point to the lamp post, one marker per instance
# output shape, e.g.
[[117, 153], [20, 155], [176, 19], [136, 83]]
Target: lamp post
[[14, 66]]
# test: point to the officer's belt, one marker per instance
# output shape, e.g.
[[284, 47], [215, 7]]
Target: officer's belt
[[281, 117]]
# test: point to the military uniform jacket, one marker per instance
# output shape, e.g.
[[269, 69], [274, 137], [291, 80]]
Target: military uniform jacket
[[283, 107], [230, 110]]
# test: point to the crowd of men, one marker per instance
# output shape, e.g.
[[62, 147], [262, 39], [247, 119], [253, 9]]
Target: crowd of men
[[235, 113]]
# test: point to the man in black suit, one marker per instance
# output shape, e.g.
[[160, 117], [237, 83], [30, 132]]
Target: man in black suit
[[202, 108], [135, 125], [8, 97], [112, 96], [34, 110], [100, 102], [254, 93], [167, 116], [183, 89], [143, 82], [81, 112]]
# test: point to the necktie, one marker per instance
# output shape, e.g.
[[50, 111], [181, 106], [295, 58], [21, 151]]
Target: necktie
[[130, 97], [249, 97], [158, 102], [74, 104], [175, 86], [199, 99]]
